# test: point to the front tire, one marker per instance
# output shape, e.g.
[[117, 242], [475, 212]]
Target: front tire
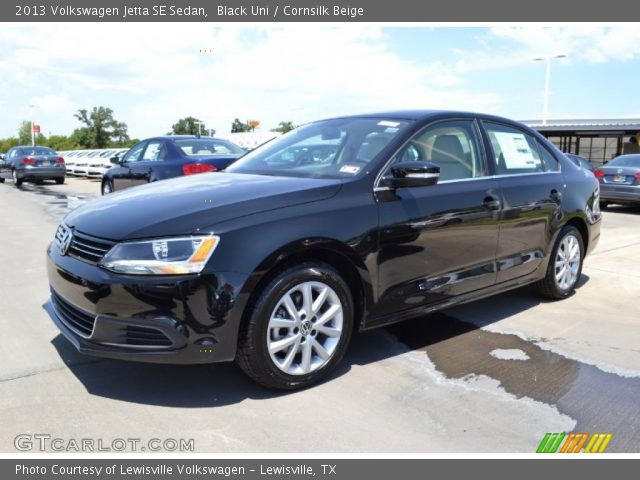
[[107, 187], [298, 329], [604, 205], [565, 265]]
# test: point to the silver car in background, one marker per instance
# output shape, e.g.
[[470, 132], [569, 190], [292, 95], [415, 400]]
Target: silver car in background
[[620, 181]]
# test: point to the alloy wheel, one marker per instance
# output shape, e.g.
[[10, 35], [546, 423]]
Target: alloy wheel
[[305, 328], [567, 264]]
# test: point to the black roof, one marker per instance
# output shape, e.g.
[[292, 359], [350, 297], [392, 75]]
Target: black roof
[[420, 115]]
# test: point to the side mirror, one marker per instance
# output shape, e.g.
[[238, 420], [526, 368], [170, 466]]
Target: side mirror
[[413, 174], [115, 160]]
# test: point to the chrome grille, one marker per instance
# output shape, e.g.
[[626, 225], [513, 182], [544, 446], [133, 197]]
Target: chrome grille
[[82, 246]]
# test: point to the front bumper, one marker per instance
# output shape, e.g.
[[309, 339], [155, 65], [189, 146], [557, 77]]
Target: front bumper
[[179, 319], [620, 193]]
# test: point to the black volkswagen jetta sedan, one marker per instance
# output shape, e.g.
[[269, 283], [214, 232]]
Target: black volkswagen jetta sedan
[[338, 226]]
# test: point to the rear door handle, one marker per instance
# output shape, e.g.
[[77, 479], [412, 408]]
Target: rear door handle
[[491, 203], [556, 196]]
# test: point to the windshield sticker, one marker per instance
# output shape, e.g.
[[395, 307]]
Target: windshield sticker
[[352, 169], [387, 123]]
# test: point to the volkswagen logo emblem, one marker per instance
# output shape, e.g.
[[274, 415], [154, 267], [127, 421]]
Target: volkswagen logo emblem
[[65, 241], [305, 328]]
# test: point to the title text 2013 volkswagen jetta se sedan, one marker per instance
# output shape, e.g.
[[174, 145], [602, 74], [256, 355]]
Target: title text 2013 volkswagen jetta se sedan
[[338, 226]]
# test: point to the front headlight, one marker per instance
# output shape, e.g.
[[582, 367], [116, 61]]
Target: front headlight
[[162, 256]]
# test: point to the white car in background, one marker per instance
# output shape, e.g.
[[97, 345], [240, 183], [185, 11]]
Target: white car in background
[[102, 163], [70, 160], [82, 164]]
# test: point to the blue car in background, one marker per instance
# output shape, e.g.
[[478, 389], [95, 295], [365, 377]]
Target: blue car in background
[[32, 164], [171, 156]]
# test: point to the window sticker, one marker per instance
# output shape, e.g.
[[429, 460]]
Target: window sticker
[[516, 150], [352, 169], [387, 123]]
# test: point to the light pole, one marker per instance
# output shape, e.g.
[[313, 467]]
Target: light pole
[[33, 134], [199, 123], [547, 78]]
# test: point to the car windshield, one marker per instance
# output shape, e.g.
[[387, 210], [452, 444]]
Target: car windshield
[[338, 148], [625, 161], [207, 146], [37, 151]]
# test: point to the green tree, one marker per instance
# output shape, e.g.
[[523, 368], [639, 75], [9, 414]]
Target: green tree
[[238, 126], [7, 143], [188, 126], [60, 142], [24, 134], [82, 137], [103, 127], [284, 127]]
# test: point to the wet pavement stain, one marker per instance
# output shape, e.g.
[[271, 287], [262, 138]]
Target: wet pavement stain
[[597, 400], [61, 203]]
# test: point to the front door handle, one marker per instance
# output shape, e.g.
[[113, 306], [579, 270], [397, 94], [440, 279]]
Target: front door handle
[[491, 203]]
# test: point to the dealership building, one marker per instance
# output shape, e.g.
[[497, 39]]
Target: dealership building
[[596, 140]]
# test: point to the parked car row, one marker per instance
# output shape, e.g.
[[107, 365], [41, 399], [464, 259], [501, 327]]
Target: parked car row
[[90, 163], [150, 160]]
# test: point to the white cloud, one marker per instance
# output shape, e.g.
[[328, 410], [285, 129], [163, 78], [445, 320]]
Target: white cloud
[[153, 74], [584, 42]]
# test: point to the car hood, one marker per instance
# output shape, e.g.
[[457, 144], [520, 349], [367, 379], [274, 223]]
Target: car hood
[[185, 205]]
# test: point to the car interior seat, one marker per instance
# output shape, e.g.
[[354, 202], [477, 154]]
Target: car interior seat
[[448, 154]]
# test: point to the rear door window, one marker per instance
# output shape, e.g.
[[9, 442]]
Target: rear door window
[[516, 152]]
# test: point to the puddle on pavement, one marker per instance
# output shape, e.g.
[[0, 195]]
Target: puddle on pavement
[[597, 400], [59, 204]]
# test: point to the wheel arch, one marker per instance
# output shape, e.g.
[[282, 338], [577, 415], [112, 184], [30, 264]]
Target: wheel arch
[[334, 253]]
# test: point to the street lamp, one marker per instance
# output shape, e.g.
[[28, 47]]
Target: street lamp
[[547, 59], [33, 134]]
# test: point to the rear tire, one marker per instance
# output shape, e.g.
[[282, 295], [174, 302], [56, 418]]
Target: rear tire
[[60, 181], [1, 179], [565, 265], [16, 181], [107, 187], [298, 328]]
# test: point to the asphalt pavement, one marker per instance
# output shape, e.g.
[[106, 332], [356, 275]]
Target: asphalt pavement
[[490, 376]]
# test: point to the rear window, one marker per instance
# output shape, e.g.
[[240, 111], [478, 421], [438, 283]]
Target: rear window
[[207, 146], [37, 151], [625, 161]]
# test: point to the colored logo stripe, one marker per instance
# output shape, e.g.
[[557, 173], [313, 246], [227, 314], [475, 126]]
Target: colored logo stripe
[[574, 442], [598, 443], [550, 443]]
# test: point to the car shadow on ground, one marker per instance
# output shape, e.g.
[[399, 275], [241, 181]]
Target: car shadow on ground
[[206, 386], [628, 209]]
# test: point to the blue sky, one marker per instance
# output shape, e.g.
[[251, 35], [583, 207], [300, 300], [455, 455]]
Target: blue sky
[[153, 74]]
